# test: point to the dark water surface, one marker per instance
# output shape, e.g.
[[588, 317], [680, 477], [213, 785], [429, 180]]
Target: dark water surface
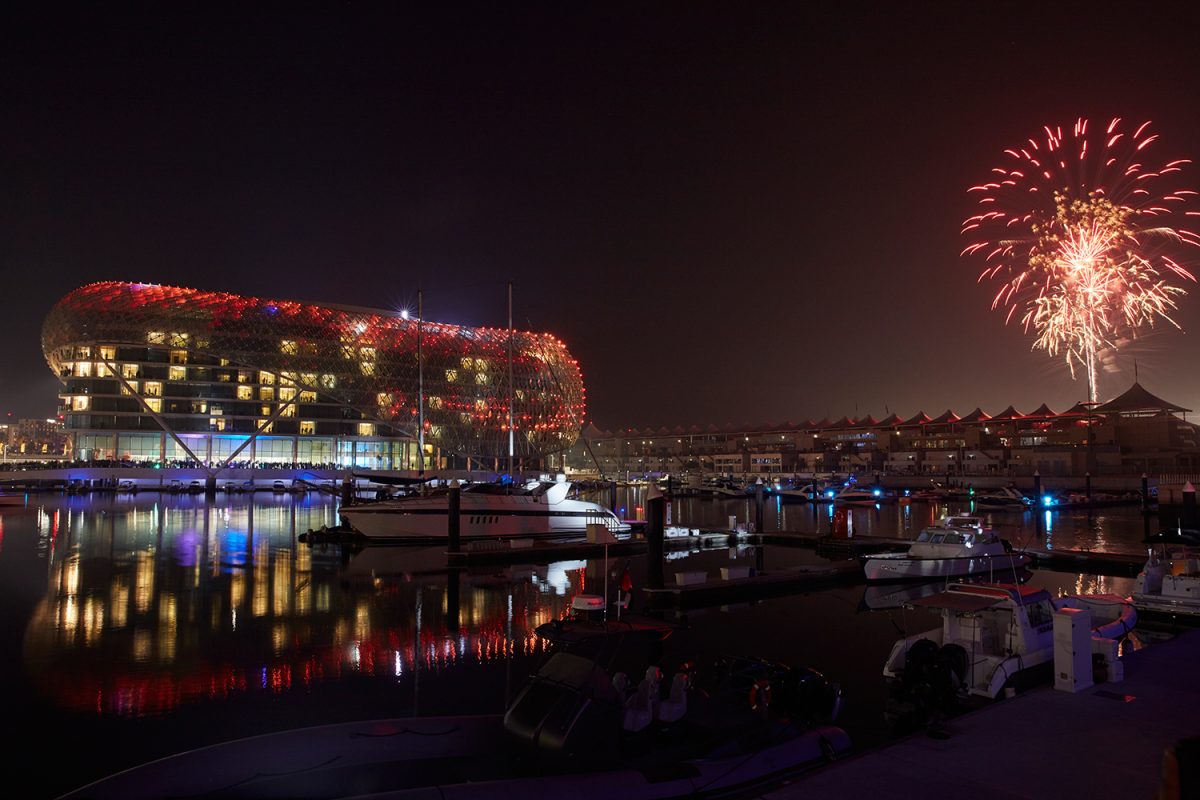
[[136, 627]]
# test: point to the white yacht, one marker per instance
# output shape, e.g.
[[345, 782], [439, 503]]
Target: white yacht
[[855, 495], [1169, 583], [539, 509], [961, 545], [1003, 497], [994, 634]]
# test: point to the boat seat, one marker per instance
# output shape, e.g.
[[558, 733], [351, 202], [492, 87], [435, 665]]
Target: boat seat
[[639, 709], [675, 706]]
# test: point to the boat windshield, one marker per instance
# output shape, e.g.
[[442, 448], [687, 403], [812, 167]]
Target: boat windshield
[[953, 538]]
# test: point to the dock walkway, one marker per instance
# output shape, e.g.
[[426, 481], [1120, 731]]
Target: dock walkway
[[1105, 742]]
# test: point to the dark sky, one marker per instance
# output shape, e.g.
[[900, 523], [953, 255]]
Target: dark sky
[[729, 212]]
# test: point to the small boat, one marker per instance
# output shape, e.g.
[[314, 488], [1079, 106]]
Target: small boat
[[961, 545], [854, 495], [1003, 497], [127, 486], [539, 509], [993, 636], [12, 500], [1169, 583]]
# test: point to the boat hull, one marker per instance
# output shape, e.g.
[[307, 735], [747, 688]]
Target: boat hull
[[480, 517], [905, 568]]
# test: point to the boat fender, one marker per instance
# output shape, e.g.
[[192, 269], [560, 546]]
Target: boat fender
[[760, 694]]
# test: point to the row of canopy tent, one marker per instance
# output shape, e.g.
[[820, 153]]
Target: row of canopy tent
[[1136, 400]]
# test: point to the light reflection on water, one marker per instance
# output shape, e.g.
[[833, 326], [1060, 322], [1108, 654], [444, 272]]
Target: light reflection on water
[[150, 608]]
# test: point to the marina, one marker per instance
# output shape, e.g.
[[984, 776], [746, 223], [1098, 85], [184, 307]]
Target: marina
[[153, 577]]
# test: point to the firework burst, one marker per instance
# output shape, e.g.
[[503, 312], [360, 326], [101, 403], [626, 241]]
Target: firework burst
[[1083, 234]]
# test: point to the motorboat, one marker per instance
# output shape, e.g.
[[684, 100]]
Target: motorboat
[[854, 495], [578, 727], [1002, 497], [961, 545], [726, 489], [127, 486], [994, 636], [538, 509], [1169, 583]]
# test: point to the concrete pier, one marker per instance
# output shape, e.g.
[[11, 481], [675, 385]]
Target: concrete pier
[[1107, 741]]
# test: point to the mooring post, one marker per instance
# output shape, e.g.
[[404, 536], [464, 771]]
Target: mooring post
[[1189, 506], [1038, 505], [758, 505], [347, 490], [210, 486], [655, 516], [453, 517]]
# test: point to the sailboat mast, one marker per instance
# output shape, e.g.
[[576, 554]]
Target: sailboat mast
[[420, 391], [511, 439]]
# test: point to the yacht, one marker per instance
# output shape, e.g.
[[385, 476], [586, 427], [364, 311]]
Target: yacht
[[539, 509], [1003, 497], [1169, 583], [961, 545], [855, 495], [994, 635]]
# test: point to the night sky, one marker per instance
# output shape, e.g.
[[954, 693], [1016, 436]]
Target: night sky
[[730, 213]]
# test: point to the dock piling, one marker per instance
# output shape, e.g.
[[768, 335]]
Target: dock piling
[[758, 505], [454, 518], [655, 511]]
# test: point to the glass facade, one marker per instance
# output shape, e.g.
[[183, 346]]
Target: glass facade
[[321, 384]]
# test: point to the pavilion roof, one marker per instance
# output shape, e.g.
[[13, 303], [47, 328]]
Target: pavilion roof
[[920, 418], [844, 422], [946, 417], [1008, 413], [867, 422], [1136, 398], [1042, 411], [891, 420], [978, 415]]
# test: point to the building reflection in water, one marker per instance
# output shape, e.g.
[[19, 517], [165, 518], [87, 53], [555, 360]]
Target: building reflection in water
[[154, 605]]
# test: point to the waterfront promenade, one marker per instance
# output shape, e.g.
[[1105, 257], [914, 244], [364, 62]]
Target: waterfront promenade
[[1105, 742]]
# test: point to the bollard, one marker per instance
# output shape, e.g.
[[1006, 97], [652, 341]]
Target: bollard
[[758, 505], [655, 511], [347, 491], [454, 517], [1189, 506]]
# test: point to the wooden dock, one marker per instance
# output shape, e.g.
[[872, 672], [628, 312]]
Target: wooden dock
[[1106, 741], [712, 592], [1117, 564]]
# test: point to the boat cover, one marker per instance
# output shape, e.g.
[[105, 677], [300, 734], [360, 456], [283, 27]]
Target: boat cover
[[953, 601]]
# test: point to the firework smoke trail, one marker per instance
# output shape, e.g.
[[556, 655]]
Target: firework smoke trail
[[1081, 231]]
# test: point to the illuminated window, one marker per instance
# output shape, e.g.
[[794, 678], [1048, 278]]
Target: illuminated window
[[451, 375], [289, 411], [269, 426], [83, 369], [154, 404], [155, 337], [307, 427], [366, 429], [286, 393], [199, 406], [177, 373], [368, 367], [288, 378], [79, 403], [265, 410], [384, 399], [83, 352], [224, 362], [129, 370], [481, 405], [467, 362], [481, 378], [244, 377], [481, 365], [179, 356], [308, 378], [216, 410], [130, 389], [102, 370], [435, 431], [216, 423], [245, 393], [287, 347], [177, 339], [308, 397], [266, 394], [223, 377], [108, 353], [464, 418], [328, 381], [367, 353], [266, 378], [153, 388], [434, 402]]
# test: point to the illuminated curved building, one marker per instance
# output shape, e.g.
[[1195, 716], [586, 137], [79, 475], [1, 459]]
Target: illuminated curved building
[[152, 372]]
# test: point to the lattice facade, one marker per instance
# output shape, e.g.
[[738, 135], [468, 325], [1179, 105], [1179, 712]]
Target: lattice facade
[[194, 350]]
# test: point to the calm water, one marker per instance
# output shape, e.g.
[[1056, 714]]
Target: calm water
[[135, 627]]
